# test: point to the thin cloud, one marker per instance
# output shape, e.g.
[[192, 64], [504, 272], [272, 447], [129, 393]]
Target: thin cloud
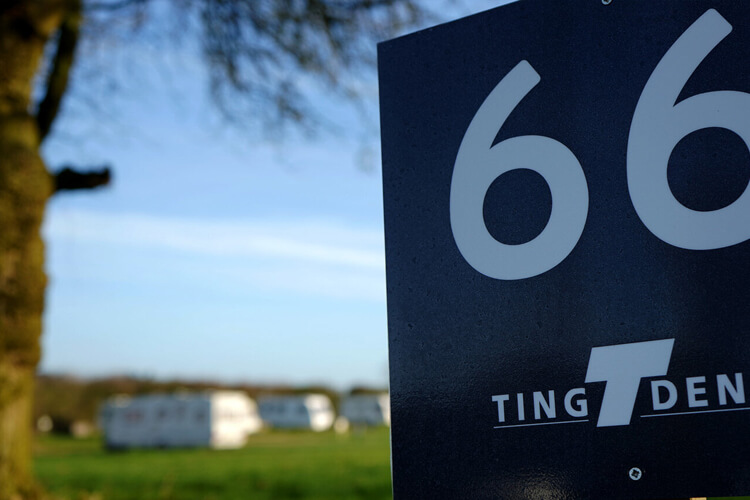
[[310, 241]]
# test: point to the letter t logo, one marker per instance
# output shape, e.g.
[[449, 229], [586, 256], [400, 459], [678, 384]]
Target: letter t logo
[[622, 367]]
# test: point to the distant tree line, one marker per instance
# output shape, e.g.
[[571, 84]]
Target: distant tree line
[[67, 399]]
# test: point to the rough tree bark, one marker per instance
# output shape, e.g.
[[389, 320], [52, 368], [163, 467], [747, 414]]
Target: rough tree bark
[[25, 186]]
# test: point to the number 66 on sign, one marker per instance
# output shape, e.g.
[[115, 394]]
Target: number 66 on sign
[[658, 124]]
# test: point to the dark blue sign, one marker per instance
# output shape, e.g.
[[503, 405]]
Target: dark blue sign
[[567, 218]]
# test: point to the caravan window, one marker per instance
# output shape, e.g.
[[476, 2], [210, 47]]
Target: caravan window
[[134, 416]]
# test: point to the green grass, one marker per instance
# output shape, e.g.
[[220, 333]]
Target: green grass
[[274, 466], [278, 466]]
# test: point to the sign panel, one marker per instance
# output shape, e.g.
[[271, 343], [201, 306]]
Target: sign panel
[[567, 221]]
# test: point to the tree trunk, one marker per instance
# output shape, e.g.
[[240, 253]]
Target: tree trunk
[[25, 186]]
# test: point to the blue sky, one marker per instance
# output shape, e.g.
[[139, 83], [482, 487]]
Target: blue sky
[[216, 253]]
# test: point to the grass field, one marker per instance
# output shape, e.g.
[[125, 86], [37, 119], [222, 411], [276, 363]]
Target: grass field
[[278, 466], [274, 466]]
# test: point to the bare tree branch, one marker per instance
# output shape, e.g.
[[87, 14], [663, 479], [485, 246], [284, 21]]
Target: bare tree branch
[[68, 179], [112, 6], [57, 80], [264, 53]]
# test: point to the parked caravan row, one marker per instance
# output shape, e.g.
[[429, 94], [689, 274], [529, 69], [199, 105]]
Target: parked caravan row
[[315, 411], [225, 419]]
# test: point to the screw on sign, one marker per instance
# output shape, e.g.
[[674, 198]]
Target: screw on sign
[[635, 473]]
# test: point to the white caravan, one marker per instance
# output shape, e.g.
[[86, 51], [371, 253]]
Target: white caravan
[[217, 419], [367, 409], [308, 411]]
